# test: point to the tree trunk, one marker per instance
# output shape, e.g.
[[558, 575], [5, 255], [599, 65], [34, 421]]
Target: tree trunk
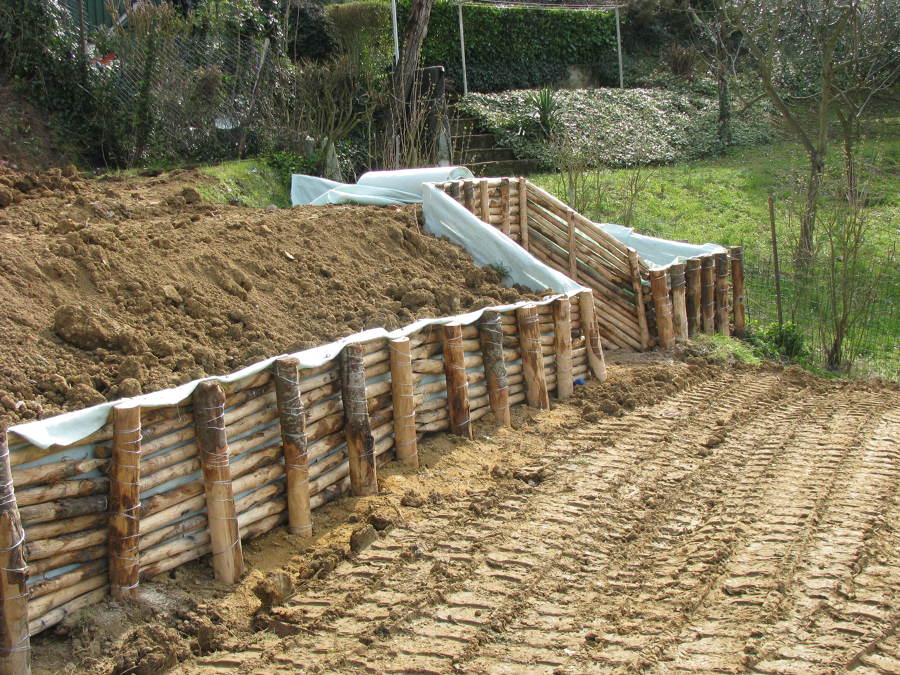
[[404, 78], [724, 94], [804, 253]]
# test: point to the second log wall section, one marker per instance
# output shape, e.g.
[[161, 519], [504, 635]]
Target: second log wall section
[[630, 315]]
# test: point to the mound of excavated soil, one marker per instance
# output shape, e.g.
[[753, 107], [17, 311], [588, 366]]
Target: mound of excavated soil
[[113, 287]]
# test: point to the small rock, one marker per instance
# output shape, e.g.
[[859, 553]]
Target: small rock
[[380, 521], [70, 171], [273, 590], [362, 537], [129, 387], [412, 499], [171, 293], [271, 207], [289, 256], [6, 197]]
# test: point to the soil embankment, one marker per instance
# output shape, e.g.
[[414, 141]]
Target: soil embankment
[[119, 286]]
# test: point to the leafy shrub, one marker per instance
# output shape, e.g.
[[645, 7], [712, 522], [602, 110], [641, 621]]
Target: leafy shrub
[[308, 31], [514, 47], [774, 341], [287, 163], [614, 127], [547, 109]]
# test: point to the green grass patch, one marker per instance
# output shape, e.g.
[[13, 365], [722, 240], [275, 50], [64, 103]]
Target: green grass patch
[[248, 182], [723, 349]]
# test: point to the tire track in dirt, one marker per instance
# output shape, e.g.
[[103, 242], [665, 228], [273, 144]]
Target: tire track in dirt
[[665, 538], [515, 557], [665, 567]]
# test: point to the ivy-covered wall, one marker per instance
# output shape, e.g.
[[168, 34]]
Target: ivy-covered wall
[[516, 48]]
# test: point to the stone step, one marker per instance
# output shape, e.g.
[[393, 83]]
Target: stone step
[[474, 141]]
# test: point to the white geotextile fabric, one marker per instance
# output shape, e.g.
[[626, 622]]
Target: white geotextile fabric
[[378, 188], [444, 218], [658, 252]]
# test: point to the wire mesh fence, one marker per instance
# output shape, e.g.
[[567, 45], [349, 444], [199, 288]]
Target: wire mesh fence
[[817, 301]]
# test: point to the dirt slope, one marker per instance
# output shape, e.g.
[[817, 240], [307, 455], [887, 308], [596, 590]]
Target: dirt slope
[[678, 517], [113, 287]]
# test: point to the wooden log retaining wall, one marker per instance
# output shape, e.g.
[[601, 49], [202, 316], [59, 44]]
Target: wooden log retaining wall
[[620, 280], [86, 536]]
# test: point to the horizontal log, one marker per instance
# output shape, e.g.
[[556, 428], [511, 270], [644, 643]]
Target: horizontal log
[[42, 605], [54, 472], [46, 548], [63, 508], [53, 617], [43, 566], [61, 581], [55, 528], [69, 488]]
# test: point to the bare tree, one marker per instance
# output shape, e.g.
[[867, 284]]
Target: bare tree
[[818, 60]]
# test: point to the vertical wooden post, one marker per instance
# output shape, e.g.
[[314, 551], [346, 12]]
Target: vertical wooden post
[[212, 446], [523, 213], [125, 502], [562, 328], [737, 290], [596, 360], [357, 428], [15, 640], [404, 398], [457, 383], [694, 295], [679, 301], [491, 337], [292, 418], [469, 195], [775, 260], [707, 293], [573, 245], [638, 289], [662, 306], [722, 310], [532, 358], [485, 200], [504, 206], [453, 189]]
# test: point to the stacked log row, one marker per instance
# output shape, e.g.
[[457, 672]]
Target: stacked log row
[[155, 488]]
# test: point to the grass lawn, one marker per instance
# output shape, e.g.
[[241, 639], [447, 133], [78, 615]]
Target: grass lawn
[[725, 200]]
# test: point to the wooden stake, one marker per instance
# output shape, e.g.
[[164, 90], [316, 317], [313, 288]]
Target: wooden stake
[[457, 384], [357, 428], [775, 260], [562, 327], [523, 213], [504, 206], [638, 288], [212, 446], [737, 290], [573, 246], [679, 301], [694, 295], [491, 337], [708, 293], [453, 189], [15, 641], [596, 360], [722, 311], [469, 195], [292, 420], [125, 502], [662, 306], [532, 358], [485, 200], [404, 397]]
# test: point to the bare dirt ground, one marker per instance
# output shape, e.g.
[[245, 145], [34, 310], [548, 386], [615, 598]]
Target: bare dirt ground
[[681, 517], [121, 285]]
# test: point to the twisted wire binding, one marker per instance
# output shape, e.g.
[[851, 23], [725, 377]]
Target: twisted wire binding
[[18, 648]]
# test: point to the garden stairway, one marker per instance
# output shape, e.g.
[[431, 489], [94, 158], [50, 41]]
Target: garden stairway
[[481, 152]]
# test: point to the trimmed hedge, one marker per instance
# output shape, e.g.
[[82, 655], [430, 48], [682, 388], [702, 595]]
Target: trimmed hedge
[[515, 48]]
